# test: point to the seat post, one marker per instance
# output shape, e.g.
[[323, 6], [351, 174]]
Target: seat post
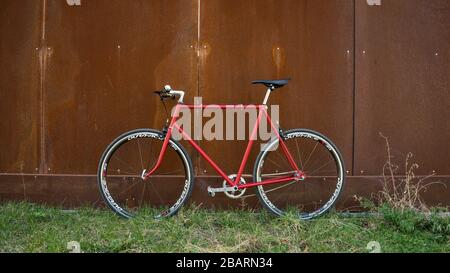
[[266, 99]]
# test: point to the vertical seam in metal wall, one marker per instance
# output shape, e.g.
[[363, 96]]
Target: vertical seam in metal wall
[[199, 3], [198, 44], [43, 68], [354, 87]]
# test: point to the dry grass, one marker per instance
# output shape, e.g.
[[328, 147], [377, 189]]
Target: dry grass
[[404, 191]]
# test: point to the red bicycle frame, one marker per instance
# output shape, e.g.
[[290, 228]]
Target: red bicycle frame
[[262, 111]]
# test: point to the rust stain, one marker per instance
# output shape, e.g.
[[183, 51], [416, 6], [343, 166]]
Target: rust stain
[[203, 51], [110, 81], [26, 150], [43, 54], [279, 59], [42, 66]]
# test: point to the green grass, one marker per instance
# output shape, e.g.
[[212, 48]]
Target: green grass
[[28, 227]]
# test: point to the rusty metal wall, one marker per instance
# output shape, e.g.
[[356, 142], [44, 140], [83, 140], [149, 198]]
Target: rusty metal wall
[[104, 60], [19, 86], [73, 77], [403, 84], [309, 41]]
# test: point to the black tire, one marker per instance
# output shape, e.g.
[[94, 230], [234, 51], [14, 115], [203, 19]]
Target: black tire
[[158, 137], [310, 136]]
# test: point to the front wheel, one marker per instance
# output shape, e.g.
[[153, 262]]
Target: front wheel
[[122, 166], [317, 157]]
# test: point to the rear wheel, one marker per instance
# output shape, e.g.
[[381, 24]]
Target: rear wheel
[[127, 158], [317, 157]]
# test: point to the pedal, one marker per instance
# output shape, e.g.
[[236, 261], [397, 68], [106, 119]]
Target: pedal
[[212, 191], [212, 194]]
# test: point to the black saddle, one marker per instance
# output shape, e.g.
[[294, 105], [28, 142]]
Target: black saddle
[[273, 84]]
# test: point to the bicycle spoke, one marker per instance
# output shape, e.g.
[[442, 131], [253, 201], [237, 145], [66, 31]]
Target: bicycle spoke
[[123, 176], [286, 163], [170, 173], [277, 174], [299, 155], [274, 163], [140, 153], [281, 187], [127, 165], [157, 193], [149, 155], [128, 188], [309, 157], [321, 167], [143, 193]]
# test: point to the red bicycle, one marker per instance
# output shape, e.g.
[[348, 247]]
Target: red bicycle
[[299, 171]]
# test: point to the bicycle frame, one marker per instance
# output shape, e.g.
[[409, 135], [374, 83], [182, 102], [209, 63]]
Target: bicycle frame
[[262, 111]]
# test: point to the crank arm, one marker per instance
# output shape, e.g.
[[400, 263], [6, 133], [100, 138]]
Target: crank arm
[[212, 191]]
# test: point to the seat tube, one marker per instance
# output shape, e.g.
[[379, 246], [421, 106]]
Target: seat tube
[[253, 136]]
